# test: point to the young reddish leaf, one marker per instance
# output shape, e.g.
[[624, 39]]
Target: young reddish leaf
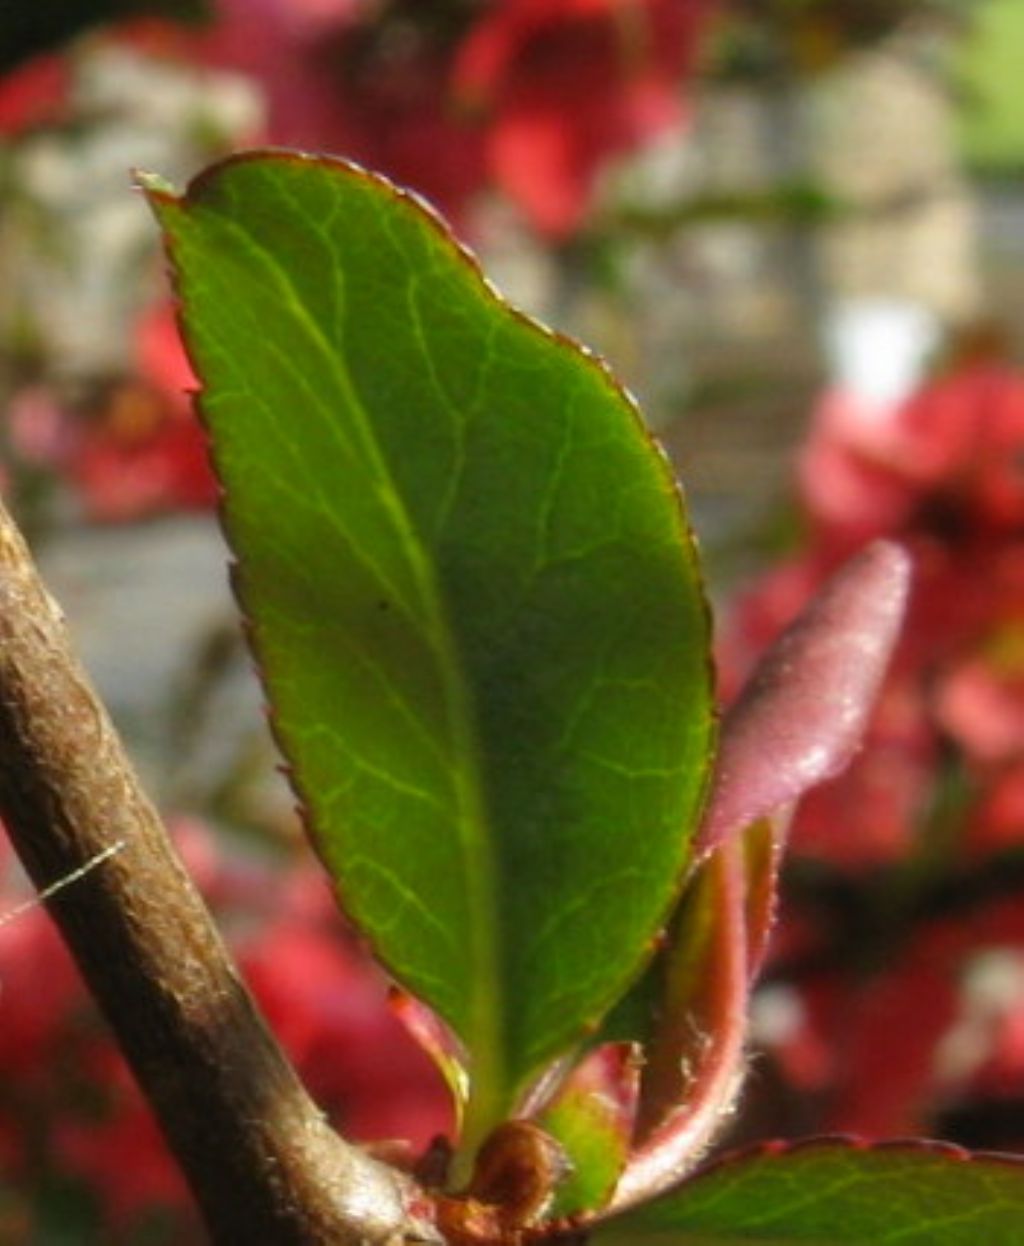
[[437, 1041], [827, 1192], [472, 593], [694, 1058], [800, 717], [797, 721], [763, 843]]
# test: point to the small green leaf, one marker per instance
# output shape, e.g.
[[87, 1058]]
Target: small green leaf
[[836, 1193], [472, 594], [592, 1119]]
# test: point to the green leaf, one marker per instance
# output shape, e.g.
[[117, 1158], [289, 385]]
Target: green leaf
[[835, 1193], [472, 593], [592, 1118]]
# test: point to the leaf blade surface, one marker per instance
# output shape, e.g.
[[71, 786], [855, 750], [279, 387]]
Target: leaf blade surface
[[472, 595], [835, 1192]]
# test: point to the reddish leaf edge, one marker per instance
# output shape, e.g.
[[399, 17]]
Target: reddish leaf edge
[[427, 1029]]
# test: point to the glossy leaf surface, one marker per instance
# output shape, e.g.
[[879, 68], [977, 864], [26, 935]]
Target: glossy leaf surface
[[472, 594], [831, 1193]]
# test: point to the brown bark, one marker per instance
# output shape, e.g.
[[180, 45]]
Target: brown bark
[[262, 1162]]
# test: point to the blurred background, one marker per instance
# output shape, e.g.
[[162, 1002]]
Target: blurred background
[[796, 228]]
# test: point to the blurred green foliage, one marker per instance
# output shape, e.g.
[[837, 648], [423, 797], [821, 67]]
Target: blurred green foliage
[[992, 87]]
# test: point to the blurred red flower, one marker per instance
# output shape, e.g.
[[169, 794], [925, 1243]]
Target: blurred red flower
[[68, 1104], [886, 1027], [33, 94], [532, 96], [565, 87]]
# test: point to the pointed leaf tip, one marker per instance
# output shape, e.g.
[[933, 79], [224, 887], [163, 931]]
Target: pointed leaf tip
[[800, 717], [152, 183]]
